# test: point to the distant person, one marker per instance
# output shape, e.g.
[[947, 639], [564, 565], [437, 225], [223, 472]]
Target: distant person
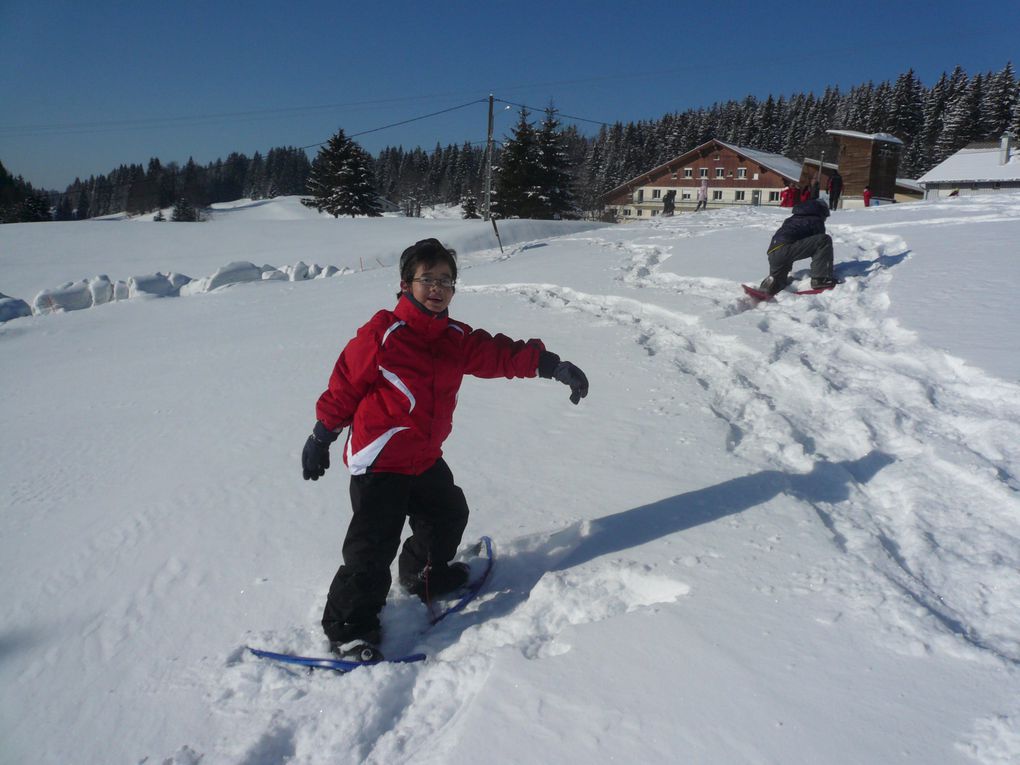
[[867, 196], [787, 195], [702, 197], [835, 189], [802, 235], [395, 387], [669, 202]]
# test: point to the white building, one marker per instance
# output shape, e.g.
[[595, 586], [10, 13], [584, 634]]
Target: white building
[[978, 168]]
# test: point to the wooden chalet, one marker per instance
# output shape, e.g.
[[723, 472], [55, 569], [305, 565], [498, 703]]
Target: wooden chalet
[[863, 159], [736, 176]]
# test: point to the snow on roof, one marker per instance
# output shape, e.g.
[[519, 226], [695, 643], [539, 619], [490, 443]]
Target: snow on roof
[[782, 165], [909, 183], [887, 137], [974, 164]]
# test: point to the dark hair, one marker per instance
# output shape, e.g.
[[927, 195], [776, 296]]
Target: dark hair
[[428, 252]]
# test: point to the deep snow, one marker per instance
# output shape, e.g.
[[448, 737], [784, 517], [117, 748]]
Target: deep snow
[[774, 533]]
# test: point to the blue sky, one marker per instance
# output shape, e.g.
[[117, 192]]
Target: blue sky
[[85, 87]]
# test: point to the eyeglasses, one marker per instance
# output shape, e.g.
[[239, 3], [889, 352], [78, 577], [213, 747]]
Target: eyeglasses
[[444, 282]]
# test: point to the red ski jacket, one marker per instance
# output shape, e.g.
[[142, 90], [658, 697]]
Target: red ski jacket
[[395, 384]]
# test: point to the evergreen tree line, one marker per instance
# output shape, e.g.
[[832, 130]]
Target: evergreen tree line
[[544, 171], [933, 122], [137, 189], [19, 202]]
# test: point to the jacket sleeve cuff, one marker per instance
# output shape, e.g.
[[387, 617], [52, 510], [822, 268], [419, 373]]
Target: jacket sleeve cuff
[[321, 433], [547, 364]]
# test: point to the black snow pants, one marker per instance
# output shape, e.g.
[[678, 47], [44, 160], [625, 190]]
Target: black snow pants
[[438, 515], [817, 247]]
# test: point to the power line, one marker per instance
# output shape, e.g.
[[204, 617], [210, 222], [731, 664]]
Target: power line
[[403, 122], [562, 114]]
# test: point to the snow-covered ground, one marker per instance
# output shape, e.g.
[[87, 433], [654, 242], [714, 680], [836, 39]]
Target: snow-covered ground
[[778, 533]]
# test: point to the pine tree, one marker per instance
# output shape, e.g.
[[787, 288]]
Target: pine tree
[[341, 180], [83, 210], [957, 121], [470, 207], [1014, 125], [556, 199], [184, 212], [64, 210], [517, 186], [999, 101]]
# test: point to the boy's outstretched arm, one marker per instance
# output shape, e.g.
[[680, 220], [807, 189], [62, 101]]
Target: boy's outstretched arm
[[499, 356], [550, 366]]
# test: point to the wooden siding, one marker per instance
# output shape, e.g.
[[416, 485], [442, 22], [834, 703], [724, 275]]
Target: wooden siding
[[710, 157], [866, 162]]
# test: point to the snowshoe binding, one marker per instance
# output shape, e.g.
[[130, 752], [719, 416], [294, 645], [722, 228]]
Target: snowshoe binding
[[356, 650]]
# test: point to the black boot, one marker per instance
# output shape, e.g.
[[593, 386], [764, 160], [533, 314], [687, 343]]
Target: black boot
[[773, 283], [823, 283], [435, 581], [356, 650]]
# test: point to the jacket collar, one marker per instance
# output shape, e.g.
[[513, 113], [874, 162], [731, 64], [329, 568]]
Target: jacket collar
[[421, 319]]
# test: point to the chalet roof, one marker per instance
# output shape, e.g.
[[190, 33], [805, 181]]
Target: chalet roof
[[786, 167], [886, 137], [783, 165], [974, 164]]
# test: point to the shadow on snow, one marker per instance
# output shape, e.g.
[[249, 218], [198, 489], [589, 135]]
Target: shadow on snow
[[517, 572]]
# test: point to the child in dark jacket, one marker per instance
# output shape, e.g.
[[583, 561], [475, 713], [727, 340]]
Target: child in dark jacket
[[802, 235], [395, 386]]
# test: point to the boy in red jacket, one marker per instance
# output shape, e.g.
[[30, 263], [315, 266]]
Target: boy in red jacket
[[395, 386]]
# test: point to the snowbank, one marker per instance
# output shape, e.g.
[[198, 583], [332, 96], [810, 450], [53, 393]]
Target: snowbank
[[88, 293], [12, 308]]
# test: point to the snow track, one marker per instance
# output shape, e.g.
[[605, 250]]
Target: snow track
[[830, 378]]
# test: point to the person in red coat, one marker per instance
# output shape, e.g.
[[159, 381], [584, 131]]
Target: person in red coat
[[787, 196], [867, 196], [394, 388], [805, 192]]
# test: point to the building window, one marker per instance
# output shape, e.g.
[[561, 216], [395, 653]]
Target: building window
[[654, 213], [738, 196], [640, 212], [626, 211], [742, 173], [688, 172], [703, 172], [716, 195], [720, 172], [755, 176], [773, 196], [685, 195], [716, 157], [656, 193]]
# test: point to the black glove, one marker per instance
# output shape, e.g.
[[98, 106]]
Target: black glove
[[550, 366], [315, 456]]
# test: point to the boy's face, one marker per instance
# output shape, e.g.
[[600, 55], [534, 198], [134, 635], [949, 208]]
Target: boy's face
[[434, 297]]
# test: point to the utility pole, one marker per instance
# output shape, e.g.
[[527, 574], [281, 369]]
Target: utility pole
[[487, 201]]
